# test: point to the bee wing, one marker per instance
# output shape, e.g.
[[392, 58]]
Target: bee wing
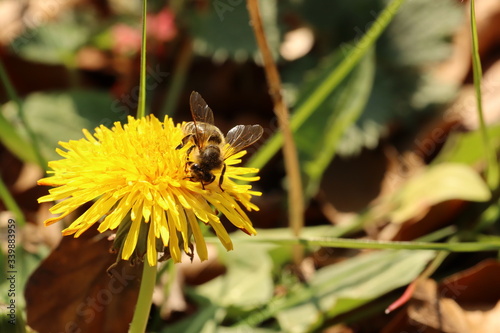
[[242, 136], [200, 111], [202, 115]]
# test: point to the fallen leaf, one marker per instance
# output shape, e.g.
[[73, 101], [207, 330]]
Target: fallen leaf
[[71, 292], [445, 181], [465, 302]]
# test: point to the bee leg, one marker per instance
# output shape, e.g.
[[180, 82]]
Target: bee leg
[[184, 141], [187, 166], [190, 149], [221, 178]]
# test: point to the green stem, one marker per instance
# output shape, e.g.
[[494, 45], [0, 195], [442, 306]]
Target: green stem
[[492, 170], [324, 90], [375, 244], [141, 107], [143, 306], [11, 92]]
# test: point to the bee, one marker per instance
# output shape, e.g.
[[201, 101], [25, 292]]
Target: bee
[[209, 146]]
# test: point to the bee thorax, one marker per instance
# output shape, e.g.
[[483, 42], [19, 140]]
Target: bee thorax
[[210, 158]]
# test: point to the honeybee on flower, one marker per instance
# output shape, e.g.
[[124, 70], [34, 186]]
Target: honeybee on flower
[[148, 188]]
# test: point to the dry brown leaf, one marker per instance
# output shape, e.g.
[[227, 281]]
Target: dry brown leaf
[[465, 302], [428, 309], [436, 217], [71, 291]]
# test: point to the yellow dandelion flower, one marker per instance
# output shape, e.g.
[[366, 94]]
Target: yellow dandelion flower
[[138, 183]]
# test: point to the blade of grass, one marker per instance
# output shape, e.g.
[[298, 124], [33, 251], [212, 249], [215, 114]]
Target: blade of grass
[[12, 138], [11, 204], [141, 105], [492, 171], [15, 143], [11, 92], [352, 58], [350, 101]]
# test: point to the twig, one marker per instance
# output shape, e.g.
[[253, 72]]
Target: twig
[[295, 197]]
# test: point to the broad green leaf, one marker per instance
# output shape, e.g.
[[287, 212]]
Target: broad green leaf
[[222, 31], [203, 320], [466, 148], [436, 184], [61, 116], [419, 35], [15, 143], [246, 284], [57, 42], [318, 138], [489, 218], [235, 288], [339, 288], [325, 88], [25, 263]]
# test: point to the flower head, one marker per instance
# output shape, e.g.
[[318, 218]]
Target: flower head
[[138, 183]]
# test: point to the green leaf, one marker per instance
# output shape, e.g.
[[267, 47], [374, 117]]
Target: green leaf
[[341, 287], [318, 138], [232, 291], [235, 288], [16, 144], [421, 32], [25, 263], [419, 35], [61, 116], [437, 184], [57, 42], [222, 31], [203, 320], [467, 147], [325, 88]]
